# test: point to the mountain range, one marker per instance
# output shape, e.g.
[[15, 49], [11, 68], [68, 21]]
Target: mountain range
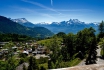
[[9, 26], [72, 25]]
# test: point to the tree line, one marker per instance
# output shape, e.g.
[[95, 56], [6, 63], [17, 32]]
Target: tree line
[[13, 37]]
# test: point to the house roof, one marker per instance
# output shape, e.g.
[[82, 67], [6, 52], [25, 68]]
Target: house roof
[[26, 52]]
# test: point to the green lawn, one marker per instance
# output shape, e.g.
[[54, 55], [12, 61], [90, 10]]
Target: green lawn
[[75, 62], [102, 52], [47, 42]]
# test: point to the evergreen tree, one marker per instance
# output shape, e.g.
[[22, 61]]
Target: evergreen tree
[[61, 34], [92, 54], [86, 44], [33, 65], [91, 59]]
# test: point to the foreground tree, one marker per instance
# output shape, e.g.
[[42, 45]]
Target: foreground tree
[[92, 54], [55, 56], [91, 59]]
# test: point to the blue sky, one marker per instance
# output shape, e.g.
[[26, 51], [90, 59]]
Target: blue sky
[[53, 10]]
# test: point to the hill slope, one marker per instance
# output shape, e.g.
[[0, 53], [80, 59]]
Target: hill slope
[[8, 26]]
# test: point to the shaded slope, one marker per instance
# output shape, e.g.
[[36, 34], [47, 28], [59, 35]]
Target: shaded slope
[[8, 26]]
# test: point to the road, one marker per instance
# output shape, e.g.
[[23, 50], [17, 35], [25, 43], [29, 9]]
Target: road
[[99, 61]]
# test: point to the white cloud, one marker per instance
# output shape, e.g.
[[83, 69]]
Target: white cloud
[[41, 5], [75, 10]]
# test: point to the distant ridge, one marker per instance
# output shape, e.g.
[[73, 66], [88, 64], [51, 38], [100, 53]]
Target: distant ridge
[[8, 26]]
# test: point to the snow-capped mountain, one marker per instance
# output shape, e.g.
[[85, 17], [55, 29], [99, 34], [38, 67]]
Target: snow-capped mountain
[[20, 20], [72, 25], [23, 22]]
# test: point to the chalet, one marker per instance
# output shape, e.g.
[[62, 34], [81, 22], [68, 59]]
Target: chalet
[[14, 48], [3, 43], [25, 52], [39, 50]]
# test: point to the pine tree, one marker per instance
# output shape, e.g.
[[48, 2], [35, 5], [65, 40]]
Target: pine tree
[[92, 55]]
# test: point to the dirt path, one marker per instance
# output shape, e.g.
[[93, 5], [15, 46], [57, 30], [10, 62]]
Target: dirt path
[[99, 61]]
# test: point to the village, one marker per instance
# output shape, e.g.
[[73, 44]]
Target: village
[[29, 48]]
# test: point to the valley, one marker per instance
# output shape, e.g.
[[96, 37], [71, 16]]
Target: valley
[[49, 46], [51, 35]]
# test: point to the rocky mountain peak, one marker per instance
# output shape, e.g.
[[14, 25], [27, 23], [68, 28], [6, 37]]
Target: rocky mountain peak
[[20, 20]]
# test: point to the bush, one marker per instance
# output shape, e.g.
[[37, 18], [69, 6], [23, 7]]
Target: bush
[[22, 55], [42, 68], [22, 60], [42, 60]]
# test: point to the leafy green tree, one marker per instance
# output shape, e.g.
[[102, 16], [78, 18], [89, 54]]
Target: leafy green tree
[[82, 41], [61, 34], [101, 43], [33, 48], [22, 60], [65, 54], [3, 65], [101, 29], [42, 68], [55, 57], [11, 64], [51, 65], [9, 47], [69, 42], [55, 48]]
